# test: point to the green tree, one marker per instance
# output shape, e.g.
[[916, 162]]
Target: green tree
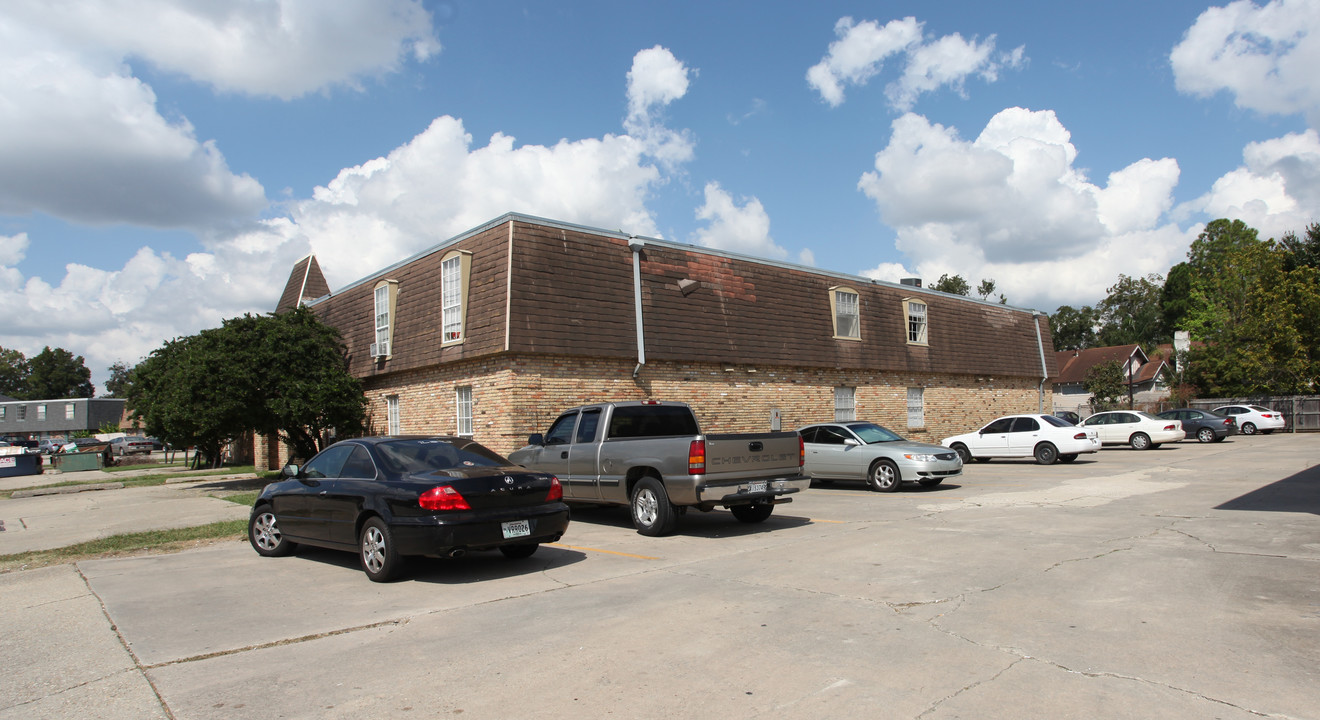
[[1131, 313], [1303, 251], [1176, 297], [279, 374], [116, 386], [956, 285], [1106, 383], [1073, 328], [57, 374], [13, 373], [987, 288]]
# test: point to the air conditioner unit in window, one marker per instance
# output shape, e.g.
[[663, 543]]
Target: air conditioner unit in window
[[379, 350]]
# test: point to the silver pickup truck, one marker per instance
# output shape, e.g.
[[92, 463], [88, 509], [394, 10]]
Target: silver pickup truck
[[652, 456]]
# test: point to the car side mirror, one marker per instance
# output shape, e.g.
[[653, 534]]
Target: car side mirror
[[289, 471], [536, 439], [851, 442]]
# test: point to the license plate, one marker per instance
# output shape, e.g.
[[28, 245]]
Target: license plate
[[756, 487], [516, 529]]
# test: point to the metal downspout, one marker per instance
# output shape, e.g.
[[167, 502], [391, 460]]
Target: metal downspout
[[1044, 371], [636, 246]]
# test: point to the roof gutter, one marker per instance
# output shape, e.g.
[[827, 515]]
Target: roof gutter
[[636, 244], [1044, 370]]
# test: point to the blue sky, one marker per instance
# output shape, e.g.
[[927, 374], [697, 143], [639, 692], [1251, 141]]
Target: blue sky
[[163, 163]]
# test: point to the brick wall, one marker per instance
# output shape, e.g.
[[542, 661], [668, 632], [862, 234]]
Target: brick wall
[[514, 396]]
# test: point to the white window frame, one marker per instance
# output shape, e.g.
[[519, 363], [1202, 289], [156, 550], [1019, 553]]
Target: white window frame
[[845, 404], [22, 413], [845, 310], [463, 410], [451, 298], [382, 315], [69, 411], [393, 425], [918, 321], [41, 413], [916, 407]]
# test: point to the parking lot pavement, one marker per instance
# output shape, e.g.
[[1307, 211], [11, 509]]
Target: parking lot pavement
[[1173, 583]]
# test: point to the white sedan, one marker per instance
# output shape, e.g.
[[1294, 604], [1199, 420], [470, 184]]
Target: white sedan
[[1044, 437], [1253, 418], [1132, 427]]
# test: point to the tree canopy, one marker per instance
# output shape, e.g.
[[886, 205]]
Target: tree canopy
[[52, 374], [280, 374], [1105, 382]]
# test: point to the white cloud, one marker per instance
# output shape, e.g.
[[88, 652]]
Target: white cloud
[[1266, 56], [280, 48], [1276, 190], [1011, 206], [862, 49], [656, 79], [744, 229]]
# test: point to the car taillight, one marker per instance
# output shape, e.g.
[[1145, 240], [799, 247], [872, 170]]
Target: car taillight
[[443, 497], [1170, 427], [1266, 415], [697, 457], [802, 452], [556, 490], [1079, 436]]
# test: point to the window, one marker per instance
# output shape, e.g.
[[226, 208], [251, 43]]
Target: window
[[41, 413], [455, 269], [561, 433], [68, 411], [586, 431], [1025, 424], [916, 407], [385, 299], [651, 421], [3, 412], [463, 401], [845, 407], [847, 320], [916, 320], [359, 465], [22, 413], [328, 463], [392, 414]]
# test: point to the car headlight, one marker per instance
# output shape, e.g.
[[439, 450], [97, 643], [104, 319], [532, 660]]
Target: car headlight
[[919, 457]]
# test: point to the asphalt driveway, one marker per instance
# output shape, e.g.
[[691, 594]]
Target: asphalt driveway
[[1175, 583]]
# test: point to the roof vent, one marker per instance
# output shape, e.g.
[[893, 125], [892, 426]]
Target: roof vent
[[914, 282]]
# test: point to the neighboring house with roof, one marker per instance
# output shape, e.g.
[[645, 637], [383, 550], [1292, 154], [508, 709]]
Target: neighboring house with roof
[[1147, 376], [42, 419], [494, 332]]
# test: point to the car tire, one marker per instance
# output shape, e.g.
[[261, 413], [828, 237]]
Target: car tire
[[265, 536], [1220, 438], [1046, 454], [981, 459], [380, 559], [754, 513], [520, 551], [1067, 458], [931, 482], [963, 453], [652, 513], [1248, 428], [1139, 441], [883, 476], [1205, 435]]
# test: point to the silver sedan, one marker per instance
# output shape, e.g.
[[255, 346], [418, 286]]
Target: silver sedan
[[881, 457]]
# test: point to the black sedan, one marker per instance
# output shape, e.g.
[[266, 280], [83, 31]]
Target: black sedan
[[1204, 425], [389, 497]]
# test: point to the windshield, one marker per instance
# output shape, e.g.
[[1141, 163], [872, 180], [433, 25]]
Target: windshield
[[429, 455], [1056, 422], [870, 433]]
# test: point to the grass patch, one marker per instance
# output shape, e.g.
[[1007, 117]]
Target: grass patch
[[150, 479], [243, 498], [153, 541]]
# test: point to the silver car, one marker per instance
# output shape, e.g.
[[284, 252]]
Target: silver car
[[881, 457]]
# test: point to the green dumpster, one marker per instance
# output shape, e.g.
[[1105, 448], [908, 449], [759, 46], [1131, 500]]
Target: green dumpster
[[73, 462]]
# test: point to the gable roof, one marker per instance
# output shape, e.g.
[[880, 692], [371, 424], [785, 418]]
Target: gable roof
[[306, 282], [1074, 364]]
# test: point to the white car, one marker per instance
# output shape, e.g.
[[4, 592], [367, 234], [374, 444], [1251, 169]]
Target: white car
[[1132, 427], [1253, 418], [1044, 437]]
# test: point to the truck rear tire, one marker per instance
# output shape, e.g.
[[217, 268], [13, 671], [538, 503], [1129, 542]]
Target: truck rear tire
[[754, 513], [652, 513]]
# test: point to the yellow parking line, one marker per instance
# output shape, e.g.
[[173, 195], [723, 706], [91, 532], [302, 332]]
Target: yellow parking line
[[610, 552]]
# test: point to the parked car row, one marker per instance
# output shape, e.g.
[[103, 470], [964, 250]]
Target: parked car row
[[386, 498]]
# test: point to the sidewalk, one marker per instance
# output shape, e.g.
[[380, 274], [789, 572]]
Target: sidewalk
[[52, 521]]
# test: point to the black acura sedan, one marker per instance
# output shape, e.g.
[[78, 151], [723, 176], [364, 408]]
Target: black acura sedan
[[389, 497]]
